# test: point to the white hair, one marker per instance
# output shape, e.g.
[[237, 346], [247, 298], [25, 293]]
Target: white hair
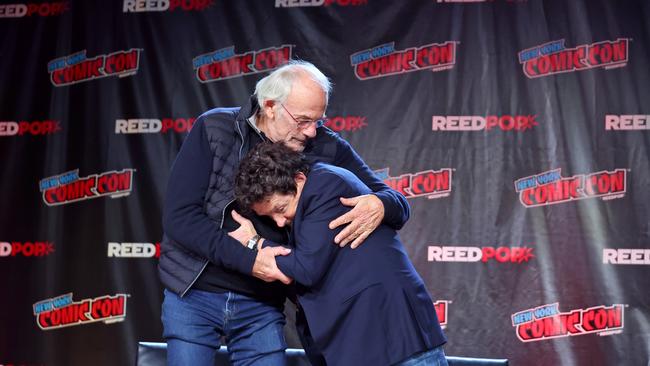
[[277, 85]]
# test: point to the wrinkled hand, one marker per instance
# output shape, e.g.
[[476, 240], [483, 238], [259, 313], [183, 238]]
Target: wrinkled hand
[[363, 219], [265, 267], [245, 231]]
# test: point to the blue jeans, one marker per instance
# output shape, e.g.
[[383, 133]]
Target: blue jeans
[[432, 357], [193, 325]]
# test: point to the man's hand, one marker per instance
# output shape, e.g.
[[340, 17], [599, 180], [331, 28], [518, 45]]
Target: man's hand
[[245, 231], [265, 267], [363, 219]]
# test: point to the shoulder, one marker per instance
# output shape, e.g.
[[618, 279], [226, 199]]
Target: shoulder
[[325, 135], [323, 171], [324, 186], [335, 180], [218, 122], [326, 146], [220, 115]]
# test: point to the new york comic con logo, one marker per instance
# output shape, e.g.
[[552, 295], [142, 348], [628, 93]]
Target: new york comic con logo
[[428, 183], [62, 312], [384, 60], [69, 187], [547, 322], [550, 187], [226, 64], [554, 58], [77, 68]]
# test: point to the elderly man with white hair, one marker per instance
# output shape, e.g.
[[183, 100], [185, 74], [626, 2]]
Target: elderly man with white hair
[[215, 286]]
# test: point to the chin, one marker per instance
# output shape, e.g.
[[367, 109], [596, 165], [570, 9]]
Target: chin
[[296, 146]]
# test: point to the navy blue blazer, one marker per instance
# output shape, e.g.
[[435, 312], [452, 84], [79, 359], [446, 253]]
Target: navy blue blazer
[[364, 306]]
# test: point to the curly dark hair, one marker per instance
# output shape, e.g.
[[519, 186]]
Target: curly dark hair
[[268, 168]]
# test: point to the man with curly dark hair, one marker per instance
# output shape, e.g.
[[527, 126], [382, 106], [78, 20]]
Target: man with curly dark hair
[[385, 316]]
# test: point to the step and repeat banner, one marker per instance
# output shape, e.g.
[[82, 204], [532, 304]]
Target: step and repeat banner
[[519, 131]]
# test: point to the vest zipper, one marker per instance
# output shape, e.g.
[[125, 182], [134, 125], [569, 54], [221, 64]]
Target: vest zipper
[[223, 212]]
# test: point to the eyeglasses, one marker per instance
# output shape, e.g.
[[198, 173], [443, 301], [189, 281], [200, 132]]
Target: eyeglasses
[[304, 124]]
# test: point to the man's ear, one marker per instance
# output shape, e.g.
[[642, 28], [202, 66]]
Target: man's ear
[[267, 108], [300, 177]]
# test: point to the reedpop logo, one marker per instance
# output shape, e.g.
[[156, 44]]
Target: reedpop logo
[[346, 123], [34, 9], [26, 249], [313, 3], [140, 6], [500, 254], [34, 128], [150, 125], [518, 123]]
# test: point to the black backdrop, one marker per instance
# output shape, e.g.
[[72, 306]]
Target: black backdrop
[[518, 130]]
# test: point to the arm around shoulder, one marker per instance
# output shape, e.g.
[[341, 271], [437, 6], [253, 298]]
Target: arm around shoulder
[[396, 208]]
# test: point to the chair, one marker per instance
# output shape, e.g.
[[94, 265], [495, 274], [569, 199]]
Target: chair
[[155, 354]]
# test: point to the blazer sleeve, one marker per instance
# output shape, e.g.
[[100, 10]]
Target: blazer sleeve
[[315, 248], [396, 208]]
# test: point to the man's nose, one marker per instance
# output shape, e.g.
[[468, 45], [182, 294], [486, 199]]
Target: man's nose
[[310, 131], [280, 221]]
